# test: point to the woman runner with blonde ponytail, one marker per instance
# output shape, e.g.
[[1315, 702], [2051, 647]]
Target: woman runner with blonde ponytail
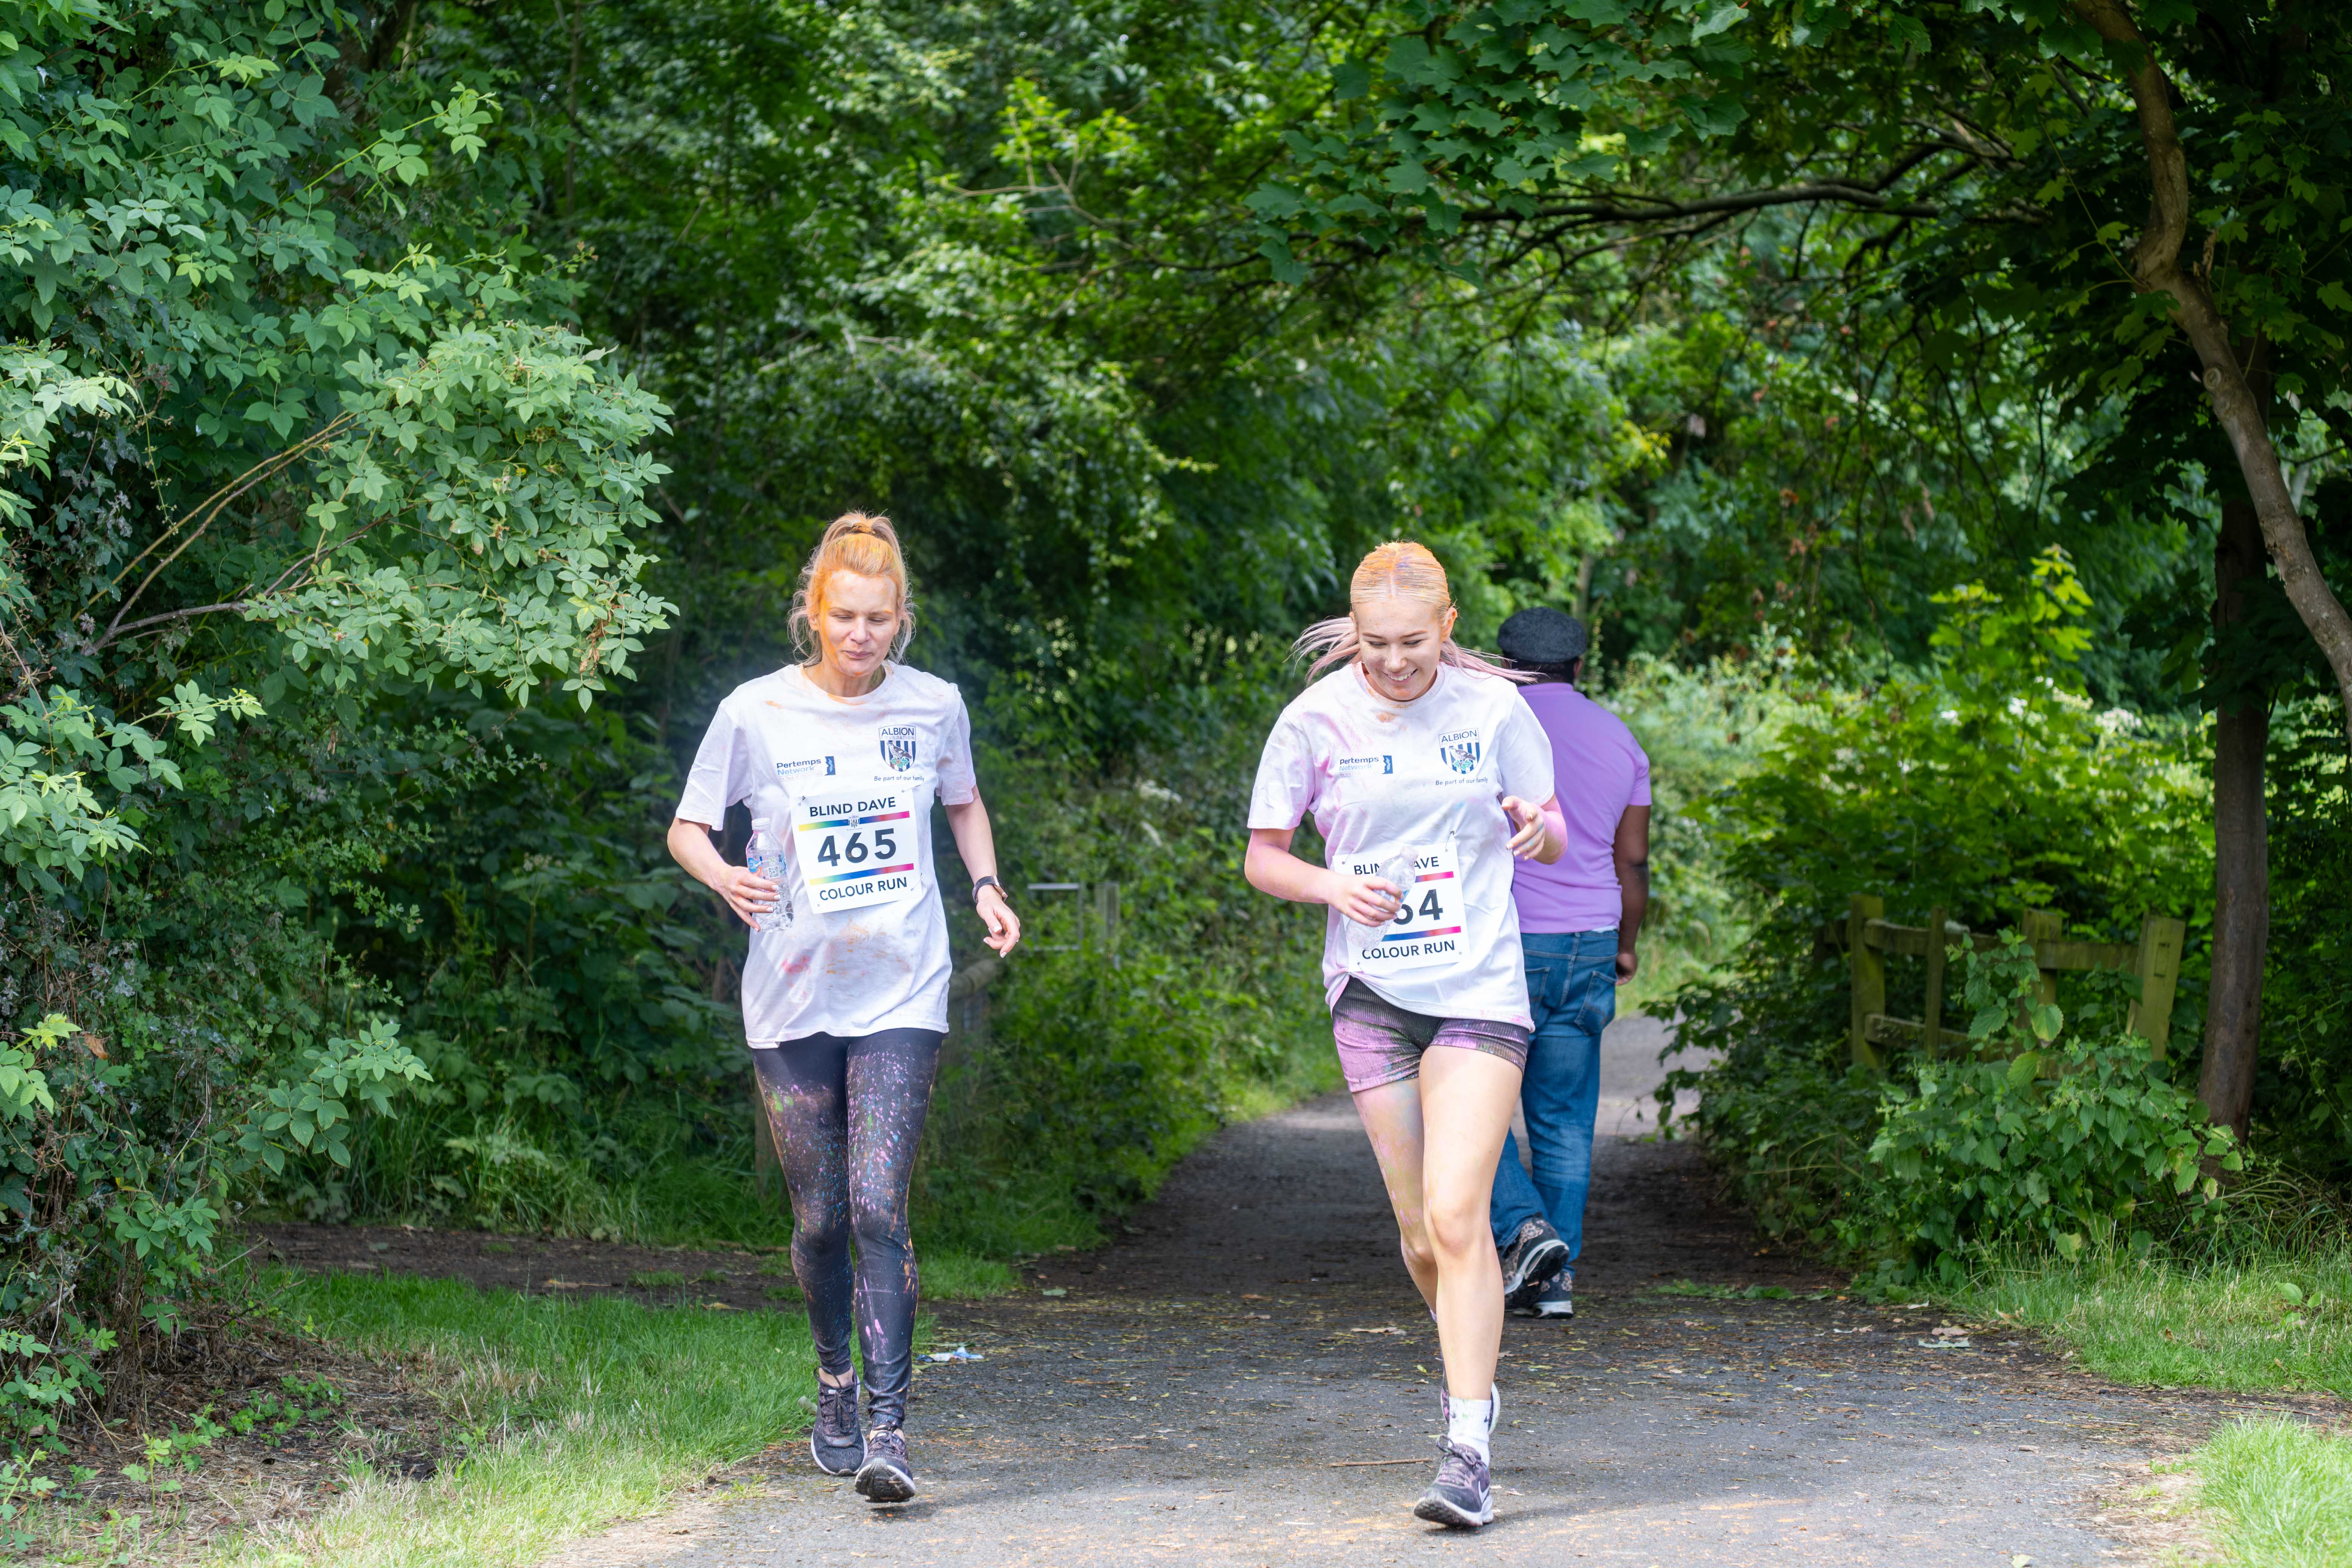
[[845, 990], [1419, 763]]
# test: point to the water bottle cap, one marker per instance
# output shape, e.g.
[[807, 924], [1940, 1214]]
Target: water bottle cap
[[760, 823]]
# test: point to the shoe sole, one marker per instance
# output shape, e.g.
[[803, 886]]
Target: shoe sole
[[1438, 1511], [850, 1468], [878, 1482], [1553, 1309], [1538, 1263]]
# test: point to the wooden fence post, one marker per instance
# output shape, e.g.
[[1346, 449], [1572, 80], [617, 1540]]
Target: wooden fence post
[[2041, 926], [2158, 966], [1935, 1016], [1869, 970], [1107, 921]]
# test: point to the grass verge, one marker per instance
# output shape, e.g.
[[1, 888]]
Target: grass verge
[[2260, 1324], [571, 1414], [960, 1276], [2283, 1492]]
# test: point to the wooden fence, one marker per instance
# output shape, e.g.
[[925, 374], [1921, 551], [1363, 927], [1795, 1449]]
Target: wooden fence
[[1868, 937]]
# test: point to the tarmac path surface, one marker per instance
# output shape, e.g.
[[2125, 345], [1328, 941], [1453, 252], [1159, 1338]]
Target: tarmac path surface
[[1245, 1376]]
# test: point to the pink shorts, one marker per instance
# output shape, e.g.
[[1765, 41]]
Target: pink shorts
[[1378, 1043]]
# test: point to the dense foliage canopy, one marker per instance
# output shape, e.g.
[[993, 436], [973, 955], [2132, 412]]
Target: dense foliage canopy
[[412, 417]]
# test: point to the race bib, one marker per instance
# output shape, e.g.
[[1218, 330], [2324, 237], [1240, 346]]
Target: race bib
[[858, 849], [1427, 929]]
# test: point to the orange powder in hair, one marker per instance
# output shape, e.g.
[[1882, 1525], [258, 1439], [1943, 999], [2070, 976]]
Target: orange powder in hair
[[863, 545], [1400, 568]]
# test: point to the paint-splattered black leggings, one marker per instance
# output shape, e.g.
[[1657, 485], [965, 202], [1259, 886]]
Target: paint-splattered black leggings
[[848, 1114]]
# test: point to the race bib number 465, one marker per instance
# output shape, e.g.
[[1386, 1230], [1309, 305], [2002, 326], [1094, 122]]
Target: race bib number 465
[[857, 851], [1427, 927]]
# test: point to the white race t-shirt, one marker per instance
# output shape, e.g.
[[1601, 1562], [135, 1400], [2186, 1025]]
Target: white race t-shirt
[[848, 785], [1413, 791]]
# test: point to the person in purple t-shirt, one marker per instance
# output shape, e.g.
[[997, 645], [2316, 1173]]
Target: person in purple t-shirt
[[1578, 921]]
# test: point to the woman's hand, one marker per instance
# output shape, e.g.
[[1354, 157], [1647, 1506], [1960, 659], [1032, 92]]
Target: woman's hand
[[1528, 828], [1004, 925], [749, 895], [1366, 901], [1271, 867]]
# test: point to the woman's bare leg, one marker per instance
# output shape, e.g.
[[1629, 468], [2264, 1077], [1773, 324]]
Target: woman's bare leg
[[1391, 1118], [1466, 1109], [1437, 1139]]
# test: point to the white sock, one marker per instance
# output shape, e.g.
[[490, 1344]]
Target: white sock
[[1466, 1423]]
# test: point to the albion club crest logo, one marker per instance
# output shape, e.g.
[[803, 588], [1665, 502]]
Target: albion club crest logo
[[1460, 751], [898, 748]]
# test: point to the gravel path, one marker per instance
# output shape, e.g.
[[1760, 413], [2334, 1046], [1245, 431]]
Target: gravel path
[[1244, 1377]]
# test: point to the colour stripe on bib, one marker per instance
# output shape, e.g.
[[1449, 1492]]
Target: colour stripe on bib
[[817, 822], [858, 876], [1435, 876], [1421, 935]]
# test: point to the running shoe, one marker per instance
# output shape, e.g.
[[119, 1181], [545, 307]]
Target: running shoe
[[836, 1443], [1463, 1495], [1535, 1255], [1553, 1299], [885, 1477]]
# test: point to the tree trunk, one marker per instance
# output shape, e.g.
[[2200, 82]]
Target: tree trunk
[[2241, 874]]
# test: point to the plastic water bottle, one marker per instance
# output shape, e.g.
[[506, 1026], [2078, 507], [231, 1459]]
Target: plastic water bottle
[[766, 858], [1398, 871]]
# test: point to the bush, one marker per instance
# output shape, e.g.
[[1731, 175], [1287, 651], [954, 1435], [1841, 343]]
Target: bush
[[2302, 1088], [142, 1107], [1704, 730], [2060, 1142], [1985, 784], [1785, 1120]]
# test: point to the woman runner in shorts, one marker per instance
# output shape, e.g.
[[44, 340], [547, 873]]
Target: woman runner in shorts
[[845, 991], [1419, 763]]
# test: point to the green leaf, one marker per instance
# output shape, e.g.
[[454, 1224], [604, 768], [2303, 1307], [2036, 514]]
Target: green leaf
[[1408, 178], [1727, 15]]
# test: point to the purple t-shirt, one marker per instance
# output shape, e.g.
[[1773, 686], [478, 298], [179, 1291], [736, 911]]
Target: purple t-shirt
[[1600, 770]]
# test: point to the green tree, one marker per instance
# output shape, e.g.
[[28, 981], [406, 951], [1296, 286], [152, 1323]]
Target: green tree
[[291, 425], [2021, 172]]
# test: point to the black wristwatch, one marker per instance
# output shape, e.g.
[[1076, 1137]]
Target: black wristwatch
[[985, 882]]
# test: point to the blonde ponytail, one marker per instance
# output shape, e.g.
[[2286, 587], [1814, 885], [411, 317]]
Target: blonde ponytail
[[1397, 570], [865, 546]]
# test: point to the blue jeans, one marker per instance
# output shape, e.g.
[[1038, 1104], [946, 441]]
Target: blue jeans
[[1572, 992]]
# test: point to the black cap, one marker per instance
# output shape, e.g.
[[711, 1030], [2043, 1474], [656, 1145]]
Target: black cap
[[1542, 635]]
